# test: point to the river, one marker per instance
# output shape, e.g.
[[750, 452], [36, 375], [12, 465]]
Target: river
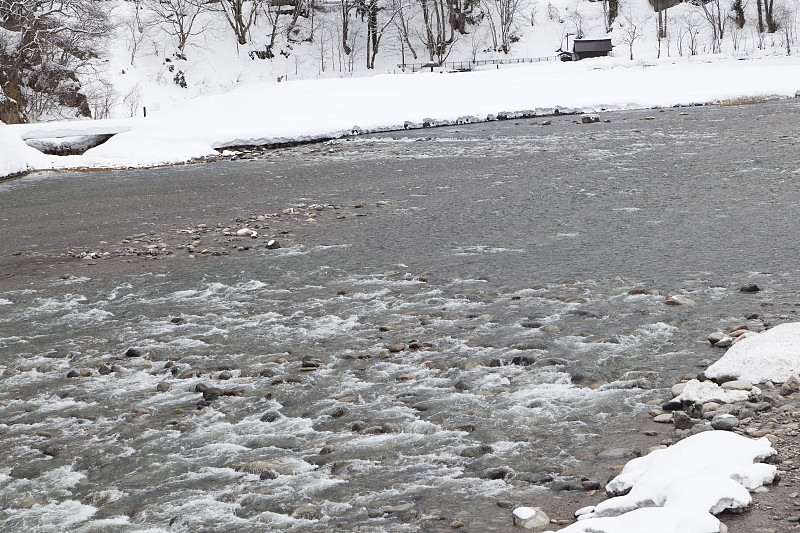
[[455, 318]]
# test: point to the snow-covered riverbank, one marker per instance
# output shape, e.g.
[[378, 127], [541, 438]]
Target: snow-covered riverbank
[[318, 109]]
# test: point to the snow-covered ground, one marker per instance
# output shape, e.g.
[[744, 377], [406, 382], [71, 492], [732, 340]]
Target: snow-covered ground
[[303, 110], [678, 489], [772, 355]]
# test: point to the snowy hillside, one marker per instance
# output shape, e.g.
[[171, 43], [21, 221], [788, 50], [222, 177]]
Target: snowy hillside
[[141, 69]]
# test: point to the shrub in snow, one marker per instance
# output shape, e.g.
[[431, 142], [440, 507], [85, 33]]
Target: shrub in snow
[[680, 488]]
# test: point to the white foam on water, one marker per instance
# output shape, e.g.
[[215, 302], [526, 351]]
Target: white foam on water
[[657, 331], [92, 315], [74, 281], [115, 523], [483, 249], [331, 325], [3, 301], [8, 341], [251, 285], [323, 247], [49, 518], [53, 305], [198, 513]]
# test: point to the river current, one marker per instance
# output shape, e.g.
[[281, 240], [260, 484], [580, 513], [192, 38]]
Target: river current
[[454, 318]]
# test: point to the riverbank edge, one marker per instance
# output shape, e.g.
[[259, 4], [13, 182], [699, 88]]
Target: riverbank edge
[[407, 126]]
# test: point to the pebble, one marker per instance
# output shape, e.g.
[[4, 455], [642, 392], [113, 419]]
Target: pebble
[[724, 342], [677, 389], [476, 451], [270, 416], [682, 421], [529, 518], [163, 386], [724, 422], [306, 512], [618, 453], [133, 352], [665, 418], [212, 393], [501, 472], [738, 384]]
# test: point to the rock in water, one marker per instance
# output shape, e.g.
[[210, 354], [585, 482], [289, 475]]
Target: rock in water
[[749, 287], [679, 300], [530, 518]]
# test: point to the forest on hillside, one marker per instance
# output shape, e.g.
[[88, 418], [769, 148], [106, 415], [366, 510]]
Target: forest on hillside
[[101, 58]]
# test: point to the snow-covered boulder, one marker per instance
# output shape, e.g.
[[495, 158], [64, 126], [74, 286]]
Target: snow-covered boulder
[[695, 391], [679, 489], [772, 355]]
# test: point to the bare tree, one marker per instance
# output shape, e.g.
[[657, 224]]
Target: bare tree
[[787, 23], [376, 28], [137, 27], [610, 12], [631, 29], [576, 17], [738, 7], [501, 15], [177, 18], [689, 32], [769, 16], [438, 35], [403, 22], [53, 40], [240, 15], [717, 19], [347, 7]]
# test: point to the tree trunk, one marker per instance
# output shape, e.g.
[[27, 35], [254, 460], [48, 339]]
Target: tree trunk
[[769, 16]]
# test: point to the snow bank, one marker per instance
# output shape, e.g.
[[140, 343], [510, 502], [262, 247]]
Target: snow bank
[[16, 156], [700, 476], [267, 113], [771, 355]]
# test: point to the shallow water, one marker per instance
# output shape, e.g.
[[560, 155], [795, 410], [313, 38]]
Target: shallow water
[[509, 243]]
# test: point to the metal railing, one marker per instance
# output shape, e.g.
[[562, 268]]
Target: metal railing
[[469, 65]]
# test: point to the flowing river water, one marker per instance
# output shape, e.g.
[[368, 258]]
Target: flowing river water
[[454, 318]]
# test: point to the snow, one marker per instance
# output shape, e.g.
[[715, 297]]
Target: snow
[[679, 489], [329, 108], [707, 391], [772, 355], [524, 513], [16, 156]]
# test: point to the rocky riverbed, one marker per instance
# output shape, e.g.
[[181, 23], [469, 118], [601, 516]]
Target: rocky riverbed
[[447, 328]]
